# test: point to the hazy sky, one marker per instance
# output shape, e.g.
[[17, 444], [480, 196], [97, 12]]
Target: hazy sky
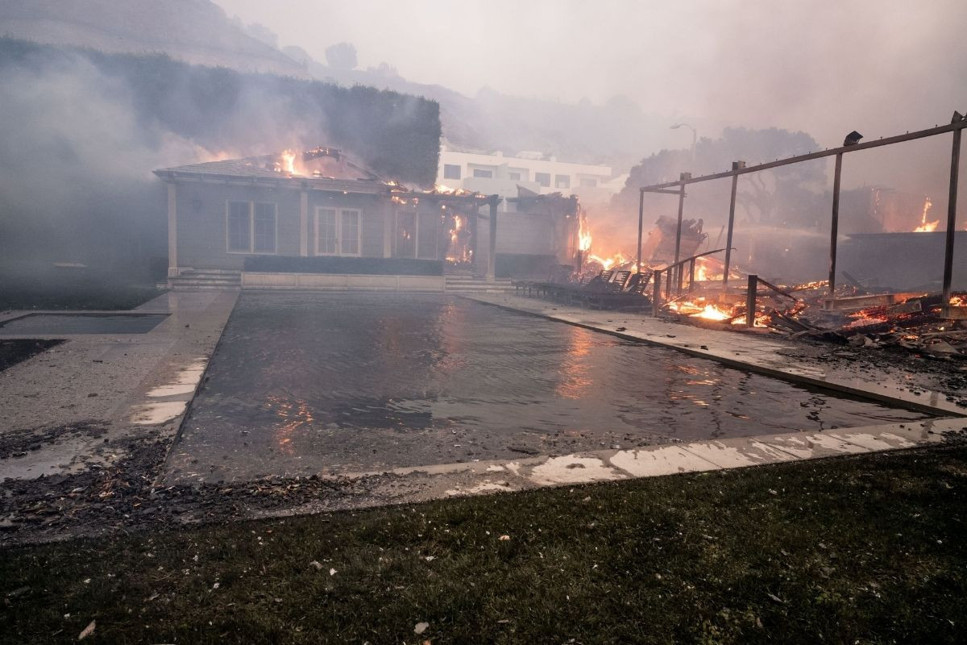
[[822, 66]]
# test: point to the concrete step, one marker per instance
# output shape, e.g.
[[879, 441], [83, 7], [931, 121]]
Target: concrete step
[[206, 280]]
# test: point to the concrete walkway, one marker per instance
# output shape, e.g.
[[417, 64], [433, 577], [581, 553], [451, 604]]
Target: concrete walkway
[[96, 388]]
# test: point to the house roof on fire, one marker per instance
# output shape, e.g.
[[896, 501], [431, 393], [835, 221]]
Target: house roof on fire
[[321, 169]]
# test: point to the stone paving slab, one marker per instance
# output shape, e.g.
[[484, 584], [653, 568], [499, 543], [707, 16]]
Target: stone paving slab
[[418, 484]]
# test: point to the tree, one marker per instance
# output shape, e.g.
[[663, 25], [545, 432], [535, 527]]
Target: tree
[[781, 196], [341, 56]]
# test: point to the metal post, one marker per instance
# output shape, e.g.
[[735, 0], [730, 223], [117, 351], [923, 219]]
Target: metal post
[[656, 297], [641, 217], [691, 275], [685, 176], [736, 165], [750, 298], [948, 258], [834, 225]]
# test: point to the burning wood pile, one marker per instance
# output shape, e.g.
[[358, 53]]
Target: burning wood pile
[[911, 321]]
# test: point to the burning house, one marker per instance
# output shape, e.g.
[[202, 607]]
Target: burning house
[[318, 220]]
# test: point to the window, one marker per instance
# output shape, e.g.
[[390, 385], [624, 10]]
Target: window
[[349, 239], [239, 231], [588, 182], [543, 179], [264, 228], [327, 238], [515, 176], [418, 235], [337, 231], [406, 235], [251, 227], [451, 171], [427, 235], [562, 181], [480, 172]]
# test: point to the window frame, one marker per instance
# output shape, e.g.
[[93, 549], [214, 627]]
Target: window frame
[[250, 227], [338, 213]]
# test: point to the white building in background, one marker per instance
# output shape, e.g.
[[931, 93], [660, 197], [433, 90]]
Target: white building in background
[[496, 174]]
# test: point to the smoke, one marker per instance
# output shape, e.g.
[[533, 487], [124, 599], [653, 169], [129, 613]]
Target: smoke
[[75, 168], [78, 146]]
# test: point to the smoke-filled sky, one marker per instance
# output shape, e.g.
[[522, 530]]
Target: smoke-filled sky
[[825, 66]]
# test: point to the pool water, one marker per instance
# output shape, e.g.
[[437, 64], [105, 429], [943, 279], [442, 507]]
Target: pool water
[[69, 324], [304, 383]]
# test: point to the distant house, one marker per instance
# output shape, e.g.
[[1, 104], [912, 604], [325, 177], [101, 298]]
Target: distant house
[[317, 220], [535, 172]]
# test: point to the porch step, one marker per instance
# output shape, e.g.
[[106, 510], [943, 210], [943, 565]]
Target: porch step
[[470, 284], [206, 280]]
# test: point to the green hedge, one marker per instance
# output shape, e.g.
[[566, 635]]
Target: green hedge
[[343, 265], [396, 135]]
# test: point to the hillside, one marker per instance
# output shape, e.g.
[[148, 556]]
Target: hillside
[[618, 133], [195, 31]]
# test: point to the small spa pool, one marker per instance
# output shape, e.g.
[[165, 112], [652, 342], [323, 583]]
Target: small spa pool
[[74, 323]]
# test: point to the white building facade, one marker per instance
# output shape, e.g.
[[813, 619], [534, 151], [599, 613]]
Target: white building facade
[[496, 174]]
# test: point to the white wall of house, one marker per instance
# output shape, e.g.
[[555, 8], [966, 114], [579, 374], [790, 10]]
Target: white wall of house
[[496, 174]]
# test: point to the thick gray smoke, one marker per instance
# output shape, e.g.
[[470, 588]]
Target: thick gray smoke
[[76, 155]]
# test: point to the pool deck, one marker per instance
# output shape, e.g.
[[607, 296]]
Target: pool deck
[[125, 385], [140, 386]]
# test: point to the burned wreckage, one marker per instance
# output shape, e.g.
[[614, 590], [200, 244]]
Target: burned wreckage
[[882, 287]]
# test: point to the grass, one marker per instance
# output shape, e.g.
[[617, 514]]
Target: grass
[[860, 549]]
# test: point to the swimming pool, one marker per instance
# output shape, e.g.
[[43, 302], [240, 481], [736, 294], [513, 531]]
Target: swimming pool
[[303, 383]]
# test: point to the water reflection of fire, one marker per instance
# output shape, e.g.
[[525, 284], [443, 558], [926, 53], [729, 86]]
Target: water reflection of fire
[[292, 416], [925, 226]]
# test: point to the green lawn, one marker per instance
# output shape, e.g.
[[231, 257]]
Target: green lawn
[[859, 549]]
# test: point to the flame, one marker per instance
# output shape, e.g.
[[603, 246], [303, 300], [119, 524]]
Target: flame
[[459, 248], [584, 235], [616, 260], [925, 226], [288, 162], [701, 309]]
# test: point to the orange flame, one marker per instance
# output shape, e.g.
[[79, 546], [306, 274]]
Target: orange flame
[[925, 226], [584, 235]]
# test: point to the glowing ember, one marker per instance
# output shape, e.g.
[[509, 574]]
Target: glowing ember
[[925, 226]]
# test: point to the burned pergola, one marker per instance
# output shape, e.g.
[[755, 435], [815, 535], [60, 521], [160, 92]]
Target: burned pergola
[[956, 126]]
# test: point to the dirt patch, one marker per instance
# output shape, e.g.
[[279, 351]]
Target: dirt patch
[[122, 496], [18, 350], [19, 442]]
